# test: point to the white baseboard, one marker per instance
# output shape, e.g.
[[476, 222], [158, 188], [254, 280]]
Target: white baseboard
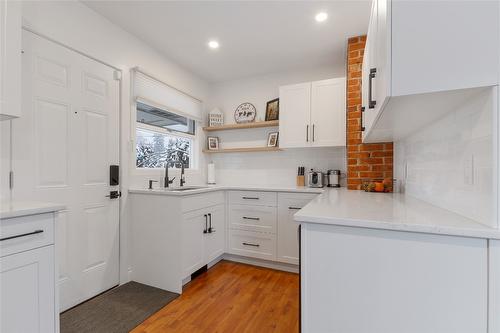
[[262, 263]]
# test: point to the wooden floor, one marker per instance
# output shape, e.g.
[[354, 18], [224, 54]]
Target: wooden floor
[[232, 297]]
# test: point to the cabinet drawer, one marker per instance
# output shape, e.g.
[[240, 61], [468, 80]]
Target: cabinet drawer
[[252, 244], [198, 201], [299, 199], [253, 198], [253, 218], [25, 233]]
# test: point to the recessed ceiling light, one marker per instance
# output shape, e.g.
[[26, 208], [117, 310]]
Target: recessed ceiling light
[[213, 44], [321, 17]]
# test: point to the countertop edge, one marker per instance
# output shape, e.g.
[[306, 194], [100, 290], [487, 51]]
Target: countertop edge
[[34, 210], [380, 225], [228, 188]]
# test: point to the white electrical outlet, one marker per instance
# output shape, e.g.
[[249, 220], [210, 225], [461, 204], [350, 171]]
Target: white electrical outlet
[[469, 170]]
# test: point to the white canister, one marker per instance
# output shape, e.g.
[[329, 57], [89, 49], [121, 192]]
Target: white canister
[[211, 173]]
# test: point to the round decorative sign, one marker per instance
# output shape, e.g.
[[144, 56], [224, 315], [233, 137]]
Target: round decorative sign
[[245, 113]]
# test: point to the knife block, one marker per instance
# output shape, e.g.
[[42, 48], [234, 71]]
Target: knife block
[[301, 180]]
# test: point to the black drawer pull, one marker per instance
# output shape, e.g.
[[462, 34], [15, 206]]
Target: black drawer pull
[[21, 235], [295, 208], [250, 244], [251, 198], [251, 218]]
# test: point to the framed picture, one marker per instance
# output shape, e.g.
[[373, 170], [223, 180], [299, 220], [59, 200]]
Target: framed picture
[[272, 139], [273, 110], [213, 143]]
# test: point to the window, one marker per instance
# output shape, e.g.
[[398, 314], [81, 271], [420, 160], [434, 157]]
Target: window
[[163, 137]]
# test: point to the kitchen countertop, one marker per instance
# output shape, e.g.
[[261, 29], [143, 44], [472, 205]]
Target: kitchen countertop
[[390, 211], [10, 209], [212, 188]]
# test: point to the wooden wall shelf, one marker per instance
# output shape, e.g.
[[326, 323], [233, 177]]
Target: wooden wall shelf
[[242, 150], [272, 123]]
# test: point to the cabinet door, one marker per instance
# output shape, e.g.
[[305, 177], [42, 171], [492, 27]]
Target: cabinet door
[[369, 63], [287, 236], [455, 46], [295, 115], [382, 57], [10, 59], [215, 240], [328, 113], [192, 248], [27, 284]]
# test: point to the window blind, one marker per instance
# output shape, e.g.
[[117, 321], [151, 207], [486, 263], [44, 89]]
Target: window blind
[[151, 91]]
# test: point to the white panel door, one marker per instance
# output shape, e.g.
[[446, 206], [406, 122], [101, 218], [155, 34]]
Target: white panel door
[[26, 303], [295, 115], [10, 59], [328, 111], [62, 148], [192, 241], [215, 240]]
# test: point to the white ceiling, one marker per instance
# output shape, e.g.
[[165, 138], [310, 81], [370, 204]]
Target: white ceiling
[[256, 37]]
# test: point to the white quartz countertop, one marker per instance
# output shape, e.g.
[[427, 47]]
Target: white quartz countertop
[[389, 211], [10, 209], [211, 188]]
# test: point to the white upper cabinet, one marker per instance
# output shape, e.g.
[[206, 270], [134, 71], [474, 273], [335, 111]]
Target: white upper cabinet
[[312, 114], [328, 113], [10, 59], [295, 115], [424, 53]]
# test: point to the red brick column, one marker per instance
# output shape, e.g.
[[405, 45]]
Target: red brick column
[[364, 161]]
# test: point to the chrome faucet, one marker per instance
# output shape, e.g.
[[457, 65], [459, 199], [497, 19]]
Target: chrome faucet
[[183, 178], [167, 181]]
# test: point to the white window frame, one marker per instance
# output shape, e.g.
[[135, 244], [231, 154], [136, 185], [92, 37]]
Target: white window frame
[[195, 149]]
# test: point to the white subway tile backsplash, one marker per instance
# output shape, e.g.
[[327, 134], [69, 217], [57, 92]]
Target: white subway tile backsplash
[[450, 163]]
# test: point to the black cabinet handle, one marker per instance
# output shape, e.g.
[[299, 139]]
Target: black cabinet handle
[[21, 235], [362, 113], [250, 244], [250, 198], [210, 229], [307, 133], [313, 131], [206, 224], [294, 208], [371, 103], [251, 218]]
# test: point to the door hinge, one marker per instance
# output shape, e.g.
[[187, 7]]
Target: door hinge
[[117, 75], [11, 180]]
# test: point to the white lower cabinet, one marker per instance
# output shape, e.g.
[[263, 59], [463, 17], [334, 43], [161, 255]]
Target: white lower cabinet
[[287, 242], [202, 237], [27, 289], [259, 245], [27, 275], [261, 224], [214, 242], [193, 225], [367, 280], [252, 224]]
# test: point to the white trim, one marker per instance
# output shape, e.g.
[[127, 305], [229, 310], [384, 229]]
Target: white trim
[[262, 263]]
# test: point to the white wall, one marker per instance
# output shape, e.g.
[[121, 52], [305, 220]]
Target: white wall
[[75, 25], [276, 168], [451, 162]]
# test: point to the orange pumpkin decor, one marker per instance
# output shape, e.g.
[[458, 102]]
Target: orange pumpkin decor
[[379, 187]]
